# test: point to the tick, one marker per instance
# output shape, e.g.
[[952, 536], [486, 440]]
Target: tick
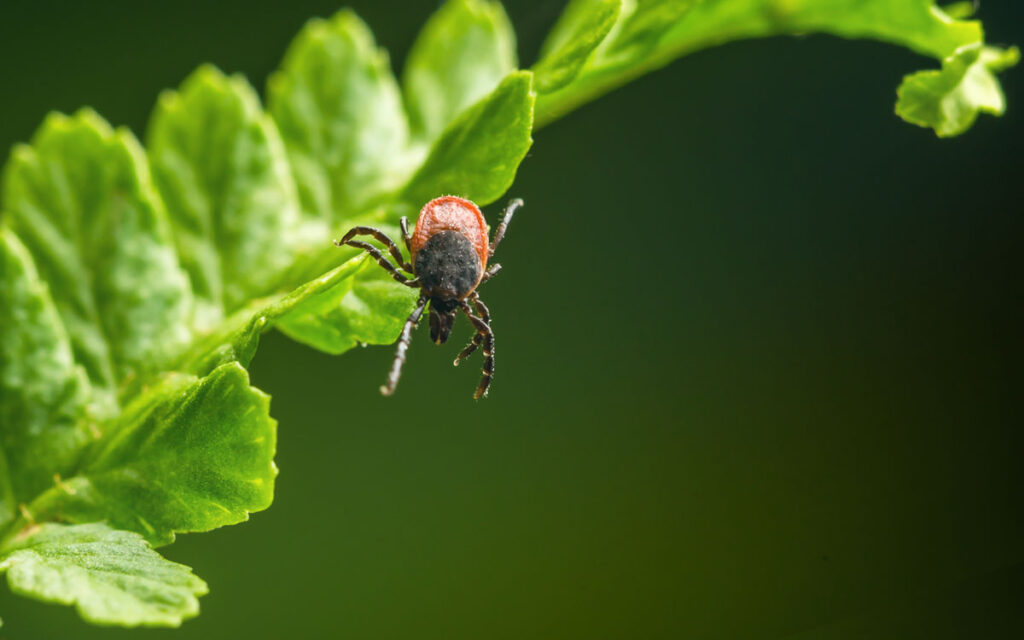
[[448, 250]]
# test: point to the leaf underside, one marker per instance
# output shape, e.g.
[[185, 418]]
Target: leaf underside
[[111, 577], [135, 281]]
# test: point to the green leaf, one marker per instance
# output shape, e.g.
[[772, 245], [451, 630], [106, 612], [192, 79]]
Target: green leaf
[[960, 10], [368, 309], [237, 337], [651, 33], [81, 199], [949, 100], [43, 393], [7, 499], [221, 168], [188, 456], [581, 28], [124, 328], [111, 577], [916, 24], [461, 54], [641, 28], [339, 110], [477, 155]]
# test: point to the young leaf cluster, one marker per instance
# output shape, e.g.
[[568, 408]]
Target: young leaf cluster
[[639, 36], [135, 279]]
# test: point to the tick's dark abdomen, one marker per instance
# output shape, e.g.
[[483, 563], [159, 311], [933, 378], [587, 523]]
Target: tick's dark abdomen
[[448, 266]]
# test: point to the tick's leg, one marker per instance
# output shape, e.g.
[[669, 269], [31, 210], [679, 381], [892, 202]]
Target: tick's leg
[[488, 342], [491, 272], [403, 346], [384, 262], [474, 344], [406, 236], [378, 256], [506, 218], [381, 237]]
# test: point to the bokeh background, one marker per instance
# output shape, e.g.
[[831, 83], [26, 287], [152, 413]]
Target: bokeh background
[[759, 361]]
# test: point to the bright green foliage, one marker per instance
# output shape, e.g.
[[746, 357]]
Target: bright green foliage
[[130, 304], [340, 111], [582, 27], [112, 577], [961, 9], [220, 166], [369, 309], [43, 392], [641, 28], [461, 54], [81, 199], [651, 33], [916, 24], [949, 100], [477, 156], [196, 455]]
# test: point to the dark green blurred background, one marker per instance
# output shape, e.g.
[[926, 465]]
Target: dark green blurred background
[[759, 361]]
